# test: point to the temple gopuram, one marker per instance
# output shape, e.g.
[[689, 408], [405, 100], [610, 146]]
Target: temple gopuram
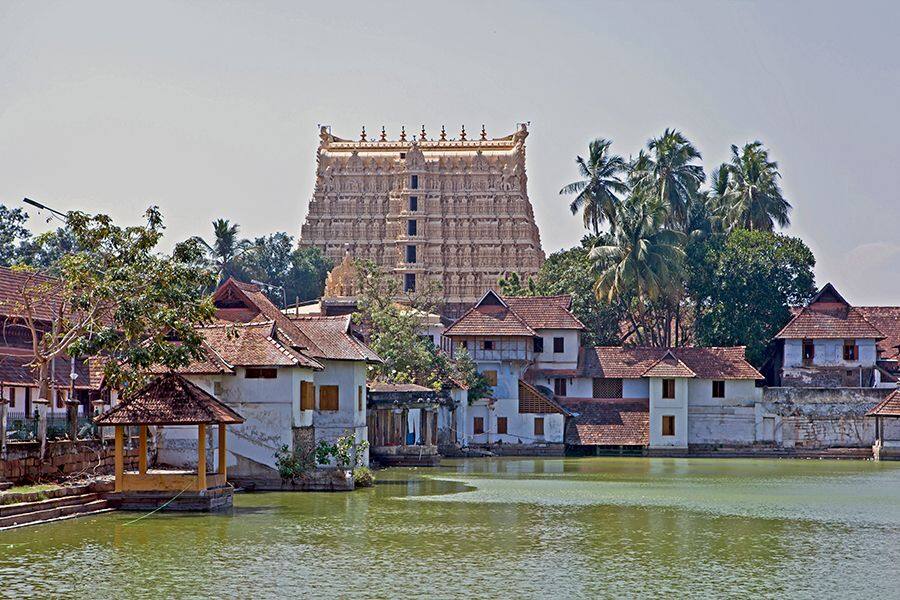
[[451, 210]]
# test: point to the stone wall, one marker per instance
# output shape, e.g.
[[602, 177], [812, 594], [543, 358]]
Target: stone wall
[[825, 417], [64, 458]]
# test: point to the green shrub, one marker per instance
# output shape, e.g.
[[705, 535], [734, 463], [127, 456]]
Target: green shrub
[[363, 477]]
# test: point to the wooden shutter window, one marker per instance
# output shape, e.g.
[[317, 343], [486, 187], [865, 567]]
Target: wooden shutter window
[[490, 376], [328, 398], [478, 425], [851, 350], [668, 389], [307, 395], [668, 425], [539, 426], [501, 424], [359, 398], [718, 389]]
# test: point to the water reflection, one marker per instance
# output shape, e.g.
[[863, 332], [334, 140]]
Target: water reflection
[[566, 527]]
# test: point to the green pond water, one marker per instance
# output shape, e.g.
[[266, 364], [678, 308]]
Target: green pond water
[[580, 527]]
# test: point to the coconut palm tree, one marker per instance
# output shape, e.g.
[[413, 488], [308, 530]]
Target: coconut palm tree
[[753, 198], [226, 249], [667, 171], [597, 194]]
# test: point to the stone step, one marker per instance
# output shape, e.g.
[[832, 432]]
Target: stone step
[[89, 513], [47, 514], [19, 508]]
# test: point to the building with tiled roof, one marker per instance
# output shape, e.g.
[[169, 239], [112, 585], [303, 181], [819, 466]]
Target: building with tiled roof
[[830, 343], [507, 336]]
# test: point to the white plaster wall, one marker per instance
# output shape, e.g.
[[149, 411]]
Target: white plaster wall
[[520, 426], [676, 407], [830, 353], [348, 376], [635, 388], [563, 360]]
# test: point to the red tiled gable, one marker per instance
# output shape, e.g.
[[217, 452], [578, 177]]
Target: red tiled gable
[[890, 407], [634, 362], [887, 320], [258, 344], [169, 400], [515, 316], [334, 337], [829, 316], [669, 366], [544, 312], [602, 422], [378, 387]]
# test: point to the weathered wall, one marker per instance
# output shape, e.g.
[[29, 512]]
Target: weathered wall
[[825, 417], [63, 458]]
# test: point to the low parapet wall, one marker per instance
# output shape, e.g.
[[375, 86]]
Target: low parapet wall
[[64, 458], [825, 417]]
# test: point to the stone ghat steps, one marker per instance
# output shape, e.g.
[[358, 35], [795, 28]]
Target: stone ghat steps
[[33, 513]]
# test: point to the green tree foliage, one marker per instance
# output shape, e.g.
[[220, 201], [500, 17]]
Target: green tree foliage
[[597, 193], [747, 190], [117, 297], [572, 272], [13, 233], [225, 250], [44, 251], [395, 322], [743, 285]]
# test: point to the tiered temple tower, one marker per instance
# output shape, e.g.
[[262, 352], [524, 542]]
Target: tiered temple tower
[[454, 211]]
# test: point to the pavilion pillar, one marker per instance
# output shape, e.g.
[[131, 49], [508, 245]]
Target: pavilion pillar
[[222, 450], [3, 416], [142, 456], [201, 457], [120, 457]]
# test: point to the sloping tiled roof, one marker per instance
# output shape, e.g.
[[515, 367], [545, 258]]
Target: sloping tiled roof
[[669, 366], [889, 407], [544, 312], [829, 316], [515, 316], [169, 400], [543, 402], [603, 422], [378, 387], [12, 284], [887, 320], [316, 341], [14, 371], [257, 344], [334, 337], [634, 362]]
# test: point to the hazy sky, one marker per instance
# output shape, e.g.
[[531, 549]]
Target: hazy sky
[[211, 109]]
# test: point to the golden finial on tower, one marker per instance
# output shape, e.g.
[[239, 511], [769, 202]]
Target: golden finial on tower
[[383, 134], [483, 133], [462, 134], [403, 133], [422, 135], [443, 134], [362, 136]]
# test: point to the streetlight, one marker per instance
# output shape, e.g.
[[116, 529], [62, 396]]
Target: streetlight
[[39, 206]]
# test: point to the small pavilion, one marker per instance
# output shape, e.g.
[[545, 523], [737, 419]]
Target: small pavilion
[[886, 448], [171, 400]]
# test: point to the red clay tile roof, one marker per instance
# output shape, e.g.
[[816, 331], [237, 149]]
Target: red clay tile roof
[[378, 387], [257, 344], [515, 316], [169, 400], [669, 366], [12, 284], [829, 316], [544, 312], [547, 403], [889, 407], [887, 320], [334, 337], [318, 340], [14, 371], [607, 422], [634, 362]]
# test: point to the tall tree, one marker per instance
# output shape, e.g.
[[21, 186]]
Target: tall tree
[[667, 171], [299, 272], [752, 198], [116, 297], [13, 233], [597, 194], [743, 286], [225, 250], [45, 250], [642, 271]]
